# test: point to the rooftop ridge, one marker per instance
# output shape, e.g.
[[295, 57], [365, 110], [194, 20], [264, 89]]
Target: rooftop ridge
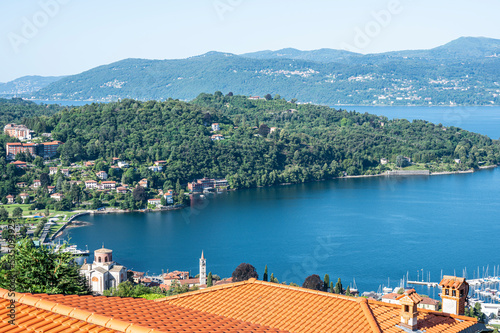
[[75, 313], [266, 283], [370, 317]]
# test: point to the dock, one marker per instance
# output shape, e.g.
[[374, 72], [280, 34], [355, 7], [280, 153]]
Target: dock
[[422, 283]]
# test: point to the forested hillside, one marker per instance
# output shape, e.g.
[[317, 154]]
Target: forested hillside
[[309, 142]]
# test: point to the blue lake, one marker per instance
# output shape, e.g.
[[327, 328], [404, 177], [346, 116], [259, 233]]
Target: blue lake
[[370, 229]]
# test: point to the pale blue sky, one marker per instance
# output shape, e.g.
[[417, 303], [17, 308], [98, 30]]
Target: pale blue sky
[[80, 35]]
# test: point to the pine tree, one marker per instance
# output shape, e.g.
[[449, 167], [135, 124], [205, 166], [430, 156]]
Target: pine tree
[[338, 287], [264, 278], [326, 282], [209, 280]]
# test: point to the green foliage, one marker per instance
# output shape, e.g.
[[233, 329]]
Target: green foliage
[[128, 289], [209, 280], [338, 287], [326, 282], [273, 279], [313, 282], [41, 270], [264, 277], [244, 272], [311, 142], [476, 312]]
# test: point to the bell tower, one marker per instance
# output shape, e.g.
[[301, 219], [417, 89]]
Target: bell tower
[[203, 269], [454, 294]]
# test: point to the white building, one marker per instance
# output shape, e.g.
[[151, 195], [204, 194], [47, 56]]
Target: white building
[[103, 273], [90, 184], [122, 164], [215, 127], [102, 175]]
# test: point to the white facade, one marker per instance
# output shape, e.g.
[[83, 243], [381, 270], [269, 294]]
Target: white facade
[[103, 273]]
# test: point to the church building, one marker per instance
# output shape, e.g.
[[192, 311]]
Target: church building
[[103, 273]]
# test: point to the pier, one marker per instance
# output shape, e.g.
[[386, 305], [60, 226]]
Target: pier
[[422, 283]]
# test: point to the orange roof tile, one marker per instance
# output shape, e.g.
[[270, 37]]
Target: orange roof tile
[[299, 310], [452, 282], [72, 313]]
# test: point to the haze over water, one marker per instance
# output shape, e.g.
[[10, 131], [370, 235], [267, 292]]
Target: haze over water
[[370, 229]]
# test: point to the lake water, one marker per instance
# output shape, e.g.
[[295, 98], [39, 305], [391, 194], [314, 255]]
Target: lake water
[[370, 229]]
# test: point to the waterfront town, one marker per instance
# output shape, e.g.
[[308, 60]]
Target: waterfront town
[[49, 195]]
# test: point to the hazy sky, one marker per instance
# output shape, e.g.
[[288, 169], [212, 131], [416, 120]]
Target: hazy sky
[[60, 37]]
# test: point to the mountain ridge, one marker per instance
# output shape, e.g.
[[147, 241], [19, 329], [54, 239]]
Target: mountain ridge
[[461, 72]]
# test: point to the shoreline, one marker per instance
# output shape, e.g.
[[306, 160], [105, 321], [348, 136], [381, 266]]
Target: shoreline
[[60, 232]]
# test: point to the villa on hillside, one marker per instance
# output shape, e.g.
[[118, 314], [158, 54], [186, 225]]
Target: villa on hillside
[[207, 184]]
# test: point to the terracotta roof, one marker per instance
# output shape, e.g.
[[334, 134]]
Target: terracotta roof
[[429, 301], [390, 296], [299, 310], [452, 281], [411, 296], [59, 313]]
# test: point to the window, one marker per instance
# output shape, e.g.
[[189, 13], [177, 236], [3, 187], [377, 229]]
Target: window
[[99, 259], [446, 292], [407, 308], [454, 293]]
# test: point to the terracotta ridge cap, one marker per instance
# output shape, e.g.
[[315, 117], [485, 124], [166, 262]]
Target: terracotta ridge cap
[[370, 317], [305, 290], [202, 291], [79, 314]]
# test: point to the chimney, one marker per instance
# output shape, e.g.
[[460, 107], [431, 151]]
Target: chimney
[[454, 294], [409, 315]]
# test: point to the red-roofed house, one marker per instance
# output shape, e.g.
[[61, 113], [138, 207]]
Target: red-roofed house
[[19, 164], [143, 183], [25, 197], [92, 184], [121, 190], [156, 202], [57, 196], [107, 185], [102, 175], [37, 183], [10, 199]]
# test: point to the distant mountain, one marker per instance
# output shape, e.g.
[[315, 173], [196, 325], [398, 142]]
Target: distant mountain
[[462, 72], [321, 55], [26, 85], [461, 48]]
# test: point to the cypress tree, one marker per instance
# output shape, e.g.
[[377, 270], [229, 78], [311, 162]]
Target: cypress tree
[[338, 287], [209, 280], [264, 278], [348, 291], [273, 278], [331, 287], [326, 282]]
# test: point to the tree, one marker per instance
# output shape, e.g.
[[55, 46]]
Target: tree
[[209, 280], [17, 212], [348, 291], [44, 179], [42, 270], [244, 272], [273, 279], [338, 287], [313, 282], [4, 215], [264, 277], [5, 233], [326, 282], [268, 97], [139, 193], [163, 201], [401, 161], [331, 287], [23, 231]]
